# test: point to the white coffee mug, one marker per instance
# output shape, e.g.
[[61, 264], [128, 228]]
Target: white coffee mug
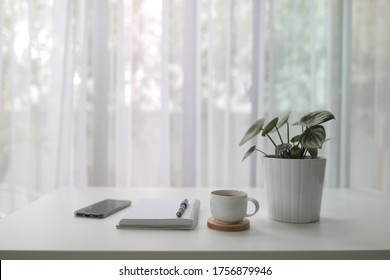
[[230, 206]]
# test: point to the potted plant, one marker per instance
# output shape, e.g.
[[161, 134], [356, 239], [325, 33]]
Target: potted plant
[[293, 174]]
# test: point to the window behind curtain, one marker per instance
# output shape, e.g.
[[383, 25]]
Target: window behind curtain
[[159, 93]]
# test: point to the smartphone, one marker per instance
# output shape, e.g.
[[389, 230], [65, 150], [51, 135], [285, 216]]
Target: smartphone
[[103, 208]]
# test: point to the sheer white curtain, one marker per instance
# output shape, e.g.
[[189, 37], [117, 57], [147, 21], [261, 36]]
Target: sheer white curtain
[[370, 96], [159, 93]]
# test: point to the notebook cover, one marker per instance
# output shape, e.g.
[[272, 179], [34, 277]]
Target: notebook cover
[[160, 214]]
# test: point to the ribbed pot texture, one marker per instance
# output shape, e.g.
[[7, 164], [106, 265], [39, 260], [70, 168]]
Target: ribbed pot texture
[[294, 188]]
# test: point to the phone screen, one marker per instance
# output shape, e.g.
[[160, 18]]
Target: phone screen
[[103, 208]]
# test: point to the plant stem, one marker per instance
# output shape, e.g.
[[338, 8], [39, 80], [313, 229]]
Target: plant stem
[[262, 152], [280, 137], [304, 153], [288, 133], [271, 140]]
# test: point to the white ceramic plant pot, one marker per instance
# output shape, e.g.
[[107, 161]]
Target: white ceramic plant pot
[[294, 188]]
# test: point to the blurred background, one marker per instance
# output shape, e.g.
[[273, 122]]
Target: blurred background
[[148, 93]]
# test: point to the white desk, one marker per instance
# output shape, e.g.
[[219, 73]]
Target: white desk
[[353, 225]]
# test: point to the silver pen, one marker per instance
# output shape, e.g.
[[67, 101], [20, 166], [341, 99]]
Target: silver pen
[[183, 206]]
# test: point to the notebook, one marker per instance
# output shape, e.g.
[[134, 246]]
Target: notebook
[[160, 214]]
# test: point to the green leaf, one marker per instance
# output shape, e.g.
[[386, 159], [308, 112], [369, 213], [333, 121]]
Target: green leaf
[[283, 120], [249, 152], [296, 152], [280, 149], [313, 152], [296, 138], [313, 137], [267, 129], [252, 131], [316, 118]]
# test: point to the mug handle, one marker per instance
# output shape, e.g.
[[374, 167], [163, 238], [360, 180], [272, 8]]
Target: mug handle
[[256, 203]]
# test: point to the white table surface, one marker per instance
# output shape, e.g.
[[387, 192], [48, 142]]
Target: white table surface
[[353, 225]]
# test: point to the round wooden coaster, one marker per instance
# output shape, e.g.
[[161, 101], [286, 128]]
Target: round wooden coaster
[[217, 225]]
